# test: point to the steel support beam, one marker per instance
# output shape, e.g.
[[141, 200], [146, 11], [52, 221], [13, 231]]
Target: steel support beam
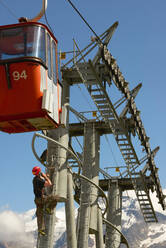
[[70, 215], [99, 234], [126, 183], [94, 163], [57, 169], [53, 150], [88, 202], [114, 214]]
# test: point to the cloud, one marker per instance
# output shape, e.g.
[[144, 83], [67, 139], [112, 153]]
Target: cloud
[[12, 229]]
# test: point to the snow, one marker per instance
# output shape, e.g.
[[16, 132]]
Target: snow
[[154, 240], [137, 232]]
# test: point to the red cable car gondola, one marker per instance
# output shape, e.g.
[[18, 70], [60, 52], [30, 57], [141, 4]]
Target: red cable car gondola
[[30, 89]]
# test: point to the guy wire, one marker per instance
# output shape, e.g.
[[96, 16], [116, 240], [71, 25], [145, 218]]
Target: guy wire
[[85, 21]]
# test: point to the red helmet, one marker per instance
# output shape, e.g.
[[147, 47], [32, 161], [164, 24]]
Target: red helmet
[[36, 170]]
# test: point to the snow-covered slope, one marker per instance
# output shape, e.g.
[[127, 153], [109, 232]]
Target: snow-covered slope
[[20, 230], [138, 233]]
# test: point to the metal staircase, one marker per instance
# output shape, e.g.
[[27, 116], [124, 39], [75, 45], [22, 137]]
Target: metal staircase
[[143, 197], [122, 85], [106, 109], [127, 150], [108, 112]]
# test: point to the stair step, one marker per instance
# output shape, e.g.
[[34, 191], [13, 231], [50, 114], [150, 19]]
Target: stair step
[[142, 195], [95, 90], [128, 153], [132, 162], [123, 145], [104, 107], [126, 149], [151, 221], [107, 111], [106, 115], [122, 139], [145, 209], [131, 158], [148, 213], [135, 174], [101, 101], [98, 96], [145, 204], [142, 199], [149, 217]]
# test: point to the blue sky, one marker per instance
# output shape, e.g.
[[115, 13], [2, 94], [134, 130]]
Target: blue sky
[[139, 48]]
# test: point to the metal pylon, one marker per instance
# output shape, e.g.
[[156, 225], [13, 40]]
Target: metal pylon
[[96, 75]]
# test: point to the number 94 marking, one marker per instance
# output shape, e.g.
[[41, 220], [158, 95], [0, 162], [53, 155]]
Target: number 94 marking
[[17, 76]]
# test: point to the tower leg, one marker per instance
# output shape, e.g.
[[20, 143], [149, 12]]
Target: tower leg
[[70, 215], [53, 154], [114, 214], [57, 157], [99, 234], [89, 194]]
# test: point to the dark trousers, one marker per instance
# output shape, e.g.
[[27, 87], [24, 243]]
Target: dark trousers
[[41, 203]]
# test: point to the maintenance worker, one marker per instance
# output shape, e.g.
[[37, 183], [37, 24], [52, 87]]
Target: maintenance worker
[[43, 202]]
